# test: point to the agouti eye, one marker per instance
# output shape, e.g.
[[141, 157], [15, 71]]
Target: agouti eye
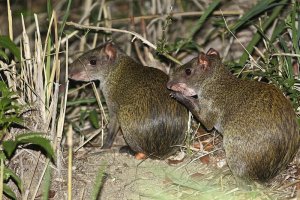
[[188, 71], [93, 62]]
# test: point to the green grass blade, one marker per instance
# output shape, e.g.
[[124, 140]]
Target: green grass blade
[[4, 56], [8, 192], [295, 30], [6, 42], [49, 9], [78, 102], [257, 36], [280, 27], [8, 173], [36, 139], [288, 67], [47, 183], [94, 119], [254, 11], [67, 13], [98, 182], [9, 147], [202, 19]]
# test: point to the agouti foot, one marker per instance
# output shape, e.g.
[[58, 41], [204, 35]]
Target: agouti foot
[[140, 156], [127, 150]]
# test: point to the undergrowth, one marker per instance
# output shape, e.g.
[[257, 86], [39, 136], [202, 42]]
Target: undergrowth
[[271, 54]]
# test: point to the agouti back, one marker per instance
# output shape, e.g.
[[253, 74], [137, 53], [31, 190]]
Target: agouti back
[[258, 124], [138, 101]]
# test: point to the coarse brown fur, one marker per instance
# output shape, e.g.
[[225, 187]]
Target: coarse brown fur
[[137, 99], [258, 124]]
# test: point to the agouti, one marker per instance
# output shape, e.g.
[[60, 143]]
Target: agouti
[[137, 99], [258, 124]]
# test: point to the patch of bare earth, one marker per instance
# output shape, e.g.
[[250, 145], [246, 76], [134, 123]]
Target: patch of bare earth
[[200, 175]]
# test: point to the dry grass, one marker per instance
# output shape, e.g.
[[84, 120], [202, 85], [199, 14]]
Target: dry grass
[[40, 80]]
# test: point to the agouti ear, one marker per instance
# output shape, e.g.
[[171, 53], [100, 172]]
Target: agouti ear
[[213, 52], [203, 61], [110, 51]]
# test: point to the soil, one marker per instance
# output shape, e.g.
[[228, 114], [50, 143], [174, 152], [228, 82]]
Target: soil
[[126, 178], [122, 177]]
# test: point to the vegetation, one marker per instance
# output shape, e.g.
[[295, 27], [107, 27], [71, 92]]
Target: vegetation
[[10, 115], [260, 41]]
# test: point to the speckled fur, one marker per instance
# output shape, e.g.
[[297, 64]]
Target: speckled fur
[[137, 97], [259, 126]]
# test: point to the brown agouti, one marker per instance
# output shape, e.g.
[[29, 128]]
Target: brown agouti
[[258, 124], [137, 99]]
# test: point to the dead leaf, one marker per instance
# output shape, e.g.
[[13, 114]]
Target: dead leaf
[[205, 159]]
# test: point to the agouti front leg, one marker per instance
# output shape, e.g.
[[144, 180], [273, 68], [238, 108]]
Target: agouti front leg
[[113, 128], [208, 119]]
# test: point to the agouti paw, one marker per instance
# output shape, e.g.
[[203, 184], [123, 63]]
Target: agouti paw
[[174, 95]]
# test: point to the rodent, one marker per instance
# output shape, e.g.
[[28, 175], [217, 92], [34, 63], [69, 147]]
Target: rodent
[[137, 99], [259, 126]]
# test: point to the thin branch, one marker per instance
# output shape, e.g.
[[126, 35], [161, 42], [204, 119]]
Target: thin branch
[[136, 35], [137, 19]]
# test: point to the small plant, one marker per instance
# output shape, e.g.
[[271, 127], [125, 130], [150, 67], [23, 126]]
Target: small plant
[[10, 116]]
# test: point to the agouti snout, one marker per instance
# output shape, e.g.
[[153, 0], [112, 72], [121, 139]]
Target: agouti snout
[[258, 124], [137, 99]]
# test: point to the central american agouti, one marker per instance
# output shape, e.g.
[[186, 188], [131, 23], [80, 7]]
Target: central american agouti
[[138, 101], [258, 124]]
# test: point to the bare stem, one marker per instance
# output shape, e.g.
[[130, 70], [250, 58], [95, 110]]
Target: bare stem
[[136, 35]]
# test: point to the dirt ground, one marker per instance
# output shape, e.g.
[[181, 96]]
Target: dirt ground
[[127, 178], [124, 177]]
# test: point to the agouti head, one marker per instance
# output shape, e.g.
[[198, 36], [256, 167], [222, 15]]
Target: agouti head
[[99, 59], [190, 77]]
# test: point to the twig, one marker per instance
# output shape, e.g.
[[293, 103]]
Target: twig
[[286, 54], [174, 15], [288, 185], [136, 35], [251, 58], [31, 179], [40, 180], [70, 160], [99, 101], [89, 139]]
